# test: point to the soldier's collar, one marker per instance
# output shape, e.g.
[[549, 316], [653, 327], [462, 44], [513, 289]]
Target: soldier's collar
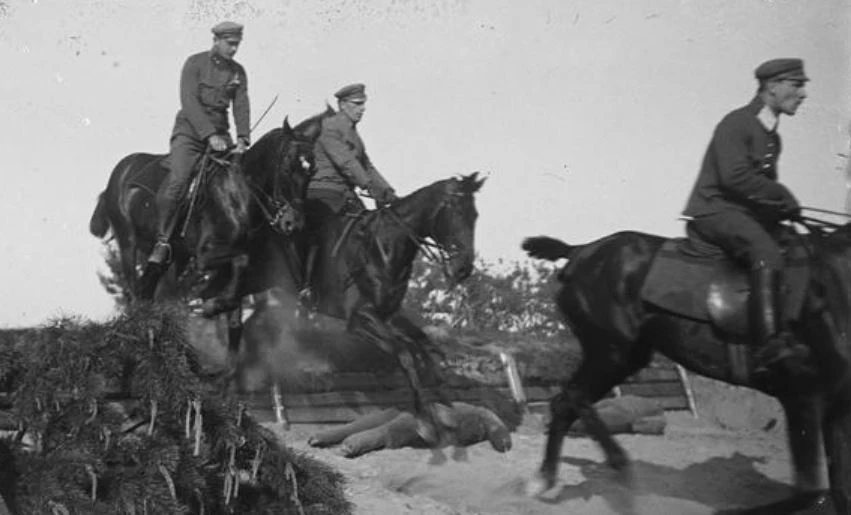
[[768, 119], [216, 58]]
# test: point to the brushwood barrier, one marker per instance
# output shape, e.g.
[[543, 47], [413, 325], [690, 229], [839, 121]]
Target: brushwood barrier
[[117, 418]]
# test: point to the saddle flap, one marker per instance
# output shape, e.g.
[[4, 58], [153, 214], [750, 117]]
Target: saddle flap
[[727, 302], [716, 289]]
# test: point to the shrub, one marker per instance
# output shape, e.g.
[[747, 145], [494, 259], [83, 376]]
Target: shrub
[[497, 297]]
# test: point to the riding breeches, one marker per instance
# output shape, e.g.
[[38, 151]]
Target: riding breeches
[[326, 203], [184, 156], [741, 237]]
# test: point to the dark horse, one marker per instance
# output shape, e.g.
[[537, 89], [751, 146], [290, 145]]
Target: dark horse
[[231, 220], [365, 262], [601, 301]]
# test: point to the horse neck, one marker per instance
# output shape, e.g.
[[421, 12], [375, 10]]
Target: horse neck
[[231, 195], [402, 229], [260, 160], [417, 210]]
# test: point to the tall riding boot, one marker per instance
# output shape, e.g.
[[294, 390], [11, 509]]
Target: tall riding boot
[[161, 254], [775, 344]]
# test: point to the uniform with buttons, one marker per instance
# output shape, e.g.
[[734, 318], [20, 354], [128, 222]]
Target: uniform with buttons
[[209, 85], [737, 200]]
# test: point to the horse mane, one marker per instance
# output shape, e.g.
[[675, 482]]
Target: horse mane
[[268, 145], [311, 127], [229, 191], [462, 184]]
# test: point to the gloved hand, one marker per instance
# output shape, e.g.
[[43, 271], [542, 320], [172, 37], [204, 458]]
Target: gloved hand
[[383, 195], [218, 142], [790, 212], [241, 146]]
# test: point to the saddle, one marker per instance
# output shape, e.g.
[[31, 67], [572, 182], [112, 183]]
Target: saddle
[[150, 176], [714, 288]]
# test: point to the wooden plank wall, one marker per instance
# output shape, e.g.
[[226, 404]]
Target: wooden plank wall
[[348, 396]]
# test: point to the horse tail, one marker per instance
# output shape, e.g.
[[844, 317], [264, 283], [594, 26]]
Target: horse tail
[[544, 247], [99, 224]]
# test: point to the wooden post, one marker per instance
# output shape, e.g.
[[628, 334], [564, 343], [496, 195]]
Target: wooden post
[[514, 381], [692, 407], [280, 409]]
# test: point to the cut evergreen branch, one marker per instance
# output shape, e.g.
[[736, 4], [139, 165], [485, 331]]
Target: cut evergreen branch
[[105, 412]]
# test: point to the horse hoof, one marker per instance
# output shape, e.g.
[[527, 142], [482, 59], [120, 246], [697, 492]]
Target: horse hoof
[[460, 454], [438, 457], [538, 485], [427, 432], [444, 415]]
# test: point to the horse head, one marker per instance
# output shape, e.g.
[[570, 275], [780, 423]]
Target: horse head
[[280, 165], [295, 168], [452, 224]]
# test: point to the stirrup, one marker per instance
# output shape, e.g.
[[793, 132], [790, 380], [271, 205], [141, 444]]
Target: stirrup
[[780, 349]]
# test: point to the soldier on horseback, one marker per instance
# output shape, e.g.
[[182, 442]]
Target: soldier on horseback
[[209, 83], [342, 165], [737, 202]]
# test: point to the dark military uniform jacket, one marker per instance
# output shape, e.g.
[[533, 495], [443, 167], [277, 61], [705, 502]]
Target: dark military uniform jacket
[[739, 170], [341, 159], [208, 85]]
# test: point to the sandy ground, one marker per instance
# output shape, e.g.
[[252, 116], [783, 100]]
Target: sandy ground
[[695, 468]]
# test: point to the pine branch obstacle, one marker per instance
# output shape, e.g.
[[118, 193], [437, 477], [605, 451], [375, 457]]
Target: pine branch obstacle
[[116, 418]]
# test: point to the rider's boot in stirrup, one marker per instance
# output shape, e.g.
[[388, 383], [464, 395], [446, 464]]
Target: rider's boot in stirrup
[[156, 265]]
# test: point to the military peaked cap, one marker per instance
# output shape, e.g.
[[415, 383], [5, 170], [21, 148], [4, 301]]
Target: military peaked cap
[[781, 69], [228, 28], [352, 93]]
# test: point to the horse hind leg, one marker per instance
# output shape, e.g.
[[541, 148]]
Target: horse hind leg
[[419, 343], [598, 373], [365, 324]]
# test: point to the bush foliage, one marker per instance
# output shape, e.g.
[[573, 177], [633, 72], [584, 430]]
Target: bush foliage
[[497, 297]]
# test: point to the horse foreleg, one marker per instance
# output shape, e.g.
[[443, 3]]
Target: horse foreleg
[[366, 325], [803, 421], [420, 343], [227, 298], [837, 442], [234, 364]]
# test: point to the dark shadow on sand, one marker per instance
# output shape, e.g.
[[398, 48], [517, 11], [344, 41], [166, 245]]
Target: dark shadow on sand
[[729, 485]]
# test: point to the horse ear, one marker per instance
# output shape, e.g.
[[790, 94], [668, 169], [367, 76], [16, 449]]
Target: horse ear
[[329, 110], [473, 181], [286, 126], [477, 184]]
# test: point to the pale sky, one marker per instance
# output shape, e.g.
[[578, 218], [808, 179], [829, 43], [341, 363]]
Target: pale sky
[[590, 117]]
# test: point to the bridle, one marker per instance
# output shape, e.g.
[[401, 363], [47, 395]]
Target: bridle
[[433, 250], [276, 206]]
